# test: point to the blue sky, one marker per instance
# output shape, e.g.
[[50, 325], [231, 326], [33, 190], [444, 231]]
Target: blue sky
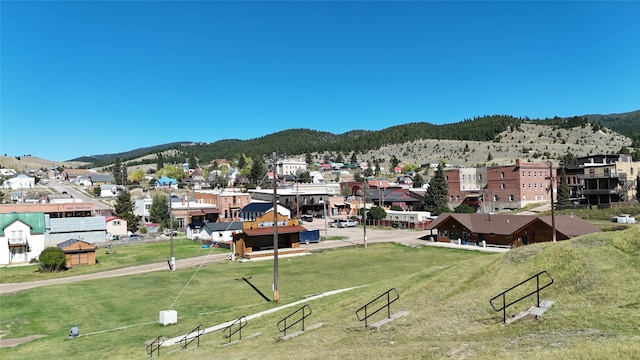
[[88, 77]]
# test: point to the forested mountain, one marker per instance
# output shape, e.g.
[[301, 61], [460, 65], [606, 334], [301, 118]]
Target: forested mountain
[[301, 141]]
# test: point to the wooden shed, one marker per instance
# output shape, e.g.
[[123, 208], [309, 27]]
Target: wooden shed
[[78, 252]]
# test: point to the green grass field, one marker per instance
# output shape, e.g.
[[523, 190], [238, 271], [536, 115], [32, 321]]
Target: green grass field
[[125, 255], [596, 313]]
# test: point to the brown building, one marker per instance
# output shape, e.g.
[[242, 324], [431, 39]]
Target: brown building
[[61, 210], [78, 252], [229, 203], [257, 237], [507, 230]]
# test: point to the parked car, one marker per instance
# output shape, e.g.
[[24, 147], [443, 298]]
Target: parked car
[[334, 223], [307, 218], [347, 223], [170, 232], [134, 238]]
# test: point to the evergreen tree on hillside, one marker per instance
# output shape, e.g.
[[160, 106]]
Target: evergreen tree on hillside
[[354, 159], [124, 209], [339, 158], [160, 161], [436, 196], [117, 171], [564, 193], [394, 162], [418, 180], [569, 161], [193, 163], [308, 159], [258, 171], [242, 162]]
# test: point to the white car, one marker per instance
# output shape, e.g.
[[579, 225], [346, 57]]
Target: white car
[[347, 223]]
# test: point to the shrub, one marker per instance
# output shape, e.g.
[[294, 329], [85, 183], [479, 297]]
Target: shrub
[[52, 259]]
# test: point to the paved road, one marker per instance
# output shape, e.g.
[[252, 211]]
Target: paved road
[[353, 236]]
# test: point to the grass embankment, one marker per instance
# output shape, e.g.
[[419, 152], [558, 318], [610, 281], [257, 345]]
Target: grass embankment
[[126, 254], [596, 312]]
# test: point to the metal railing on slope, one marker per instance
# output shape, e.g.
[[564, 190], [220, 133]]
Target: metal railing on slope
[[155, 346], [305, 312], [188, 339], [363, 314], [536, 292], [228, 332]]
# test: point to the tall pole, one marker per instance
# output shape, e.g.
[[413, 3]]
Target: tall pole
[[172, 259], [553, 217], [364, 211], [275, 232], [324, 215]]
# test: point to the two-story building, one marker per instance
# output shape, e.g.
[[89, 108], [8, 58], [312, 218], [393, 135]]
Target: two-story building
[[228, 201], [21, 237]]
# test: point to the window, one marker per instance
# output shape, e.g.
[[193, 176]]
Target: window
[[450, 198], [524, 185], [523, 173], [480, 177], [116, 222], [502, 186], [511, 197], [502, 175], [529, 185], [524, 197], [495, 197], [529, 173]]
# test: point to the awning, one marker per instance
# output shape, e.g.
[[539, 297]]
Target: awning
[[269, 230]]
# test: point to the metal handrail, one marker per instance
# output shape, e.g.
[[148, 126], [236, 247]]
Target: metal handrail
[[537, 292], [241, 321], [151, 347], [301, 319], [186, 340], [387, 306]]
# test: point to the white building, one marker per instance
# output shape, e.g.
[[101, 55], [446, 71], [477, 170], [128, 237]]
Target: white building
[[19, 182], [290, 167], [21, 237]]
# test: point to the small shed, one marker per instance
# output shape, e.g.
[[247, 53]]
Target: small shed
[[78, 252]]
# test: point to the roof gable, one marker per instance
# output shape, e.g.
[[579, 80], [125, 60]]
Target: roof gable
[[35, 220]]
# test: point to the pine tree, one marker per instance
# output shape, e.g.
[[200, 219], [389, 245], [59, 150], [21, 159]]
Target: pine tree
[[193, 163], [353, 160], [117, 171], [307, 158], [418, 181], [563, 189], [159, 210], [160, 163], [124, 209], [258, 170], [436, 196]]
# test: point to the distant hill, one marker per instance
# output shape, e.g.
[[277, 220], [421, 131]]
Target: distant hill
[[300, 141]]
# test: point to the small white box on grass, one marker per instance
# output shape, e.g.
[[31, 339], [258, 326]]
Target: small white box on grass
[[168, 317]]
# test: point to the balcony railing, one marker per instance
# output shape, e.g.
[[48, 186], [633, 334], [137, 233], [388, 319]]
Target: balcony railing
[[18, 241]]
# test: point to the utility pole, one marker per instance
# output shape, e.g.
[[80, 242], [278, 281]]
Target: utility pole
[[553, 217], [172, 260], [364, 211], [275, 232]]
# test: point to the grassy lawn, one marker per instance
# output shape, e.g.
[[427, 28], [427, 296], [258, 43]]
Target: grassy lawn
[[127, 254], [596, 312]]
